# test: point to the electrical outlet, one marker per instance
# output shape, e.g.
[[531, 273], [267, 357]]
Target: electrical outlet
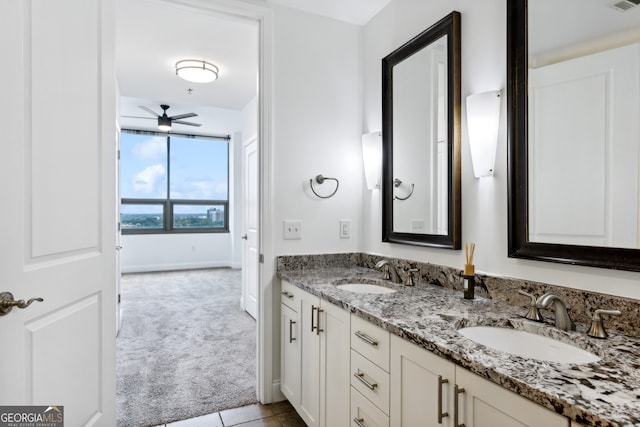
[[417, 225], [292, 229], [345, 228]]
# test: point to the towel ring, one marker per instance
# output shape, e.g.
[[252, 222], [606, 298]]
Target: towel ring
[[397, 183], [321, 179]]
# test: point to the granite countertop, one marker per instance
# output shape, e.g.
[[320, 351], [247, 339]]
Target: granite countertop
[[604, 393]]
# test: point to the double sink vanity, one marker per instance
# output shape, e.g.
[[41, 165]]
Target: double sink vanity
[[386, 354]]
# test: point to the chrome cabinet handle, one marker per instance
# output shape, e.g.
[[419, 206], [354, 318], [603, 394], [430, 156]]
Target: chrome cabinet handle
[[441, 414], [366, 338], [287, 294], [317, 326], [291, 338], [457, 391], [359, 375], [313, 308], [7, 302], [318, 330], [359, 422]]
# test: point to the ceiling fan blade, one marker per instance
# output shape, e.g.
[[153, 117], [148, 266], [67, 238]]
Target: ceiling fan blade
[[139, 117], [183, 116], [149, 110], [186, 123]]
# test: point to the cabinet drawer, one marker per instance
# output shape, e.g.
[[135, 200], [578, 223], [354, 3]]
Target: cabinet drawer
[[370, 380], [365, 413], [290, 295], [371, 341]]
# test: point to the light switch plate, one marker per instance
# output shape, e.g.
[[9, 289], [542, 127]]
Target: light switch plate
[[292, 229]]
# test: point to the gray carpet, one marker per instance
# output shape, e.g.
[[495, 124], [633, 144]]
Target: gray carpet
[[185, 347]]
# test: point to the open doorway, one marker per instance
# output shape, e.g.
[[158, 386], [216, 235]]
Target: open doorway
[[151, 37]]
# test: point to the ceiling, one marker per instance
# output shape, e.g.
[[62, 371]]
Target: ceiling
[[152, 35], [357, 12]]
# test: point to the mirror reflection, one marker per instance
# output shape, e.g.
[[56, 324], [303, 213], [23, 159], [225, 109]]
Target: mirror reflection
[[573, 132], [421, 138], [584, 133], [420, 141]]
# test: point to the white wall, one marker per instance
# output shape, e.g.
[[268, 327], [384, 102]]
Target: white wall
[[162, 252], [317, 116], [317, 110], [484, 201]]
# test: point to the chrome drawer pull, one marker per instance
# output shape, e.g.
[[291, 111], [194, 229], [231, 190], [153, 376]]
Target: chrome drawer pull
[[359, 422], [441, 414], [313, 309], [366, 338], [456, 391], [318, 330], [291, 338], [360, 376]]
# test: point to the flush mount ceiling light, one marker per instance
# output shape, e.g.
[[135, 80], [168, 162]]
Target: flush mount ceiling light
[[197, 71]]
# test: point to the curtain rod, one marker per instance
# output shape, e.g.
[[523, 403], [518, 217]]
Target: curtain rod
[[181, 135]]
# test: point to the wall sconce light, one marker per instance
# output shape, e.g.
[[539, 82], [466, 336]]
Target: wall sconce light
[[197, 71], [372, 157], [483, 124]]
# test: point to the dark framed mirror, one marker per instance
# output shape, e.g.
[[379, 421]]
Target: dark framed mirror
[[421, 138], [570, 200]]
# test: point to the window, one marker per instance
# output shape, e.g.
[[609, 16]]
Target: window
[[173, 183]]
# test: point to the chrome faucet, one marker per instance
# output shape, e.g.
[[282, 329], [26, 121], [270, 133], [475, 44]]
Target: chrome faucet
[[389, 272], [533, 310], [563, 321], [597, 326]]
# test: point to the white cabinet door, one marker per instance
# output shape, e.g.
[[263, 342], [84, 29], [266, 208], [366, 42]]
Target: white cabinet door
[[290, 358], [315, 364], [334, 366], [310, 360], [485, 404], [417, 378]]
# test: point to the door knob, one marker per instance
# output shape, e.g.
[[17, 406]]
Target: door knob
[[7, 302], [245, 237]]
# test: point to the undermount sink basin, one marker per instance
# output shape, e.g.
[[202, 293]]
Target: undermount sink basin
[[365, 288], [526, 344]]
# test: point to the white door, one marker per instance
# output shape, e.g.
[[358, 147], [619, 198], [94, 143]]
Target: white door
[[118, 242], [597, 203], [250, 258], [57, 227]]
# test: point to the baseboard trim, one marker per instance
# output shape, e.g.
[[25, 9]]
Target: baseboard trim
[[276, 394], [148, 268]]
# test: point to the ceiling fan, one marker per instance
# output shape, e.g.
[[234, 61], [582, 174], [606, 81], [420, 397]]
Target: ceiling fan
[[165, 122]]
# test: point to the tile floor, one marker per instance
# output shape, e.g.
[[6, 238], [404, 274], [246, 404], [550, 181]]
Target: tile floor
[[279, 414]]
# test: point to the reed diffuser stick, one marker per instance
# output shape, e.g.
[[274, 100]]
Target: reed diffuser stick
[[469, 268]]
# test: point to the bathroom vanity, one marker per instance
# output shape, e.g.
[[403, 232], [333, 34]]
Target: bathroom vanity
[[398, 359]]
